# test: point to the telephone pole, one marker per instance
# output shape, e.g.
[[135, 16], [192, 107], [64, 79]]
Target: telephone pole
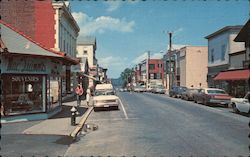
[[170, 61]]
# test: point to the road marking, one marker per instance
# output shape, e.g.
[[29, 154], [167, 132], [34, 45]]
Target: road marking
[[124, 111]]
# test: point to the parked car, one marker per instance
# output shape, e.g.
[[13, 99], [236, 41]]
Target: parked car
[[241, 104], [158, 89], [105, 97], [212, 96], [189, 94], [139, 89], [176, 91]]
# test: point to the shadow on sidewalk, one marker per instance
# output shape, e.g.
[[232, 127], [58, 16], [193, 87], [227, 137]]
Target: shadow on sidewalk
[[65, 113]]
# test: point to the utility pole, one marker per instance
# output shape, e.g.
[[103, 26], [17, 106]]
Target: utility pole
[[170, 61], [147, 68]]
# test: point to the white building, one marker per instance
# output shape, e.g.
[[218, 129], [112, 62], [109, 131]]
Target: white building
[[86, 47], [221, 44], [65, 39]]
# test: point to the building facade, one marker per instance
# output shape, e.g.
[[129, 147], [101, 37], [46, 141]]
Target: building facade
[[171, 66], [86, 47], [193, 66], [220, 45], [237, 76], [30, 76], [49, 23]]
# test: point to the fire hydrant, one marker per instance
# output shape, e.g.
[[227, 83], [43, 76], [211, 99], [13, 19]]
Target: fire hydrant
[[73, 116]]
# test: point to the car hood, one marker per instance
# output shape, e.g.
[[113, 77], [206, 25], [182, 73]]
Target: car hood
[[105, 97], [238, 99]]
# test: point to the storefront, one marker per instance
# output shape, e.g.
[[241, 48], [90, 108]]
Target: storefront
[[31, 76], [30, 85], [235, 82]]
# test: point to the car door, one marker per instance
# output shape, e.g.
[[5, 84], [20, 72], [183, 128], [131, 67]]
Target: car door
[[243, 106]]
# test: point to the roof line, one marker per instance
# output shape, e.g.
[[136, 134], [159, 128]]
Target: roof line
[[224, 29], [30, 39]]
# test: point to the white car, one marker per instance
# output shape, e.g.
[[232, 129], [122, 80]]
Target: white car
[[105, 99], [241, 104]]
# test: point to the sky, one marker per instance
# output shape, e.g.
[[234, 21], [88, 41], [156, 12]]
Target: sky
[[126, 30]]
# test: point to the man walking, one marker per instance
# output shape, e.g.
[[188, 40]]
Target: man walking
[[79, 92]]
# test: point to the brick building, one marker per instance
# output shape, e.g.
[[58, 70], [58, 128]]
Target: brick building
[[48, 23]]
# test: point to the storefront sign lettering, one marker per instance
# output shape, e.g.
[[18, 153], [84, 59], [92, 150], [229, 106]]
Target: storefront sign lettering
[[25, 79], [25, 66], [33, 67]]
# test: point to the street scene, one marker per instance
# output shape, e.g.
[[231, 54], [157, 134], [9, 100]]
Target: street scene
[[125, 78]]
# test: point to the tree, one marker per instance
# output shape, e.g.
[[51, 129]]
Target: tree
[[126, 76]]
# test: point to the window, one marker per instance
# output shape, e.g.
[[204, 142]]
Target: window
[[212, 55], [223, 52], [23, 94], [85, 52], [158, 76], [53, 92], [64, 45], [151, 66]]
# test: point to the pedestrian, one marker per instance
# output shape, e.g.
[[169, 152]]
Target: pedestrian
[[79, 93], [88, 96]]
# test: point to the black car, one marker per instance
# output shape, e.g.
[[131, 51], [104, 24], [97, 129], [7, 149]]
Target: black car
[[176, 91], [189, 94]]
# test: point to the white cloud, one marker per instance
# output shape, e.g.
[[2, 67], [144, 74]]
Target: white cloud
[[157, 56], [113, 5], [140, 58], [177, 46], [112, 62], [89, 25], [116, 4], [178, 31], [144, 56], [115, 65]]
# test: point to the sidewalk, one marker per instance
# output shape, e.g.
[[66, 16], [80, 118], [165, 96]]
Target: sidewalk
[[60, 124]]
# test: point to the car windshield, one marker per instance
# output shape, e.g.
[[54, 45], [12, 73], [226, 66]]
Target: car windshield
[[103, 92], [182, 88], [216, 91]]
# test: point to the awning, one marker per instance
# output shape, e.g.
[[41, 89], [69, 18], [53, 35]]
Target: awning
[[233, 75]]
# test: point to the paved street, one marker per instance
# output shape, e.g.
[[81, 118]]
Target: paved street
[[155, 125]]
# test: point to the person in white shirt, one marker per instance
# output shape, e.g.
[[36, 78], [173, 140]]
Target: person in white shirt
[[88, 96]]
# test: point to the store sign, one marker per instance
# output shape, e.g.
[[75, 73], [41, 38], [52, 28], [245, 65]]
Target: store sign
[[25, 65], [25, 79]]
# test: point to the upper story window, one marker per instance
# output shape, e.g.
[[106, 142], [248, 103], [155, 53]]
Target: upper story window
[[85, 52], [212, 55], [159, 65], [151, 66], [223, 52]]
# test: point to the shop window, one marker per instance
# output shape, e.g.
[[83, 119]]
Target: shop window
[[53, 92], [23, 94]]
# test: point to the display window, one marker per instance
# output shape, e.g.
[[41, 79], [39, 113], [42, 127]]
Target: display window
[[23, 94], [54, 90]]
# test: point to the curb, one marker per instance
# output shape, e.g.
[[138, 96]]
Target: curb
[[74, 133]]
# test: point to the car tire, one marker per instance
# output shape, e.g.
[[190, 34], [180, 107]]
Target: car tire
[[205, 103], [95, 109], [235, 108], [195, 101]]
